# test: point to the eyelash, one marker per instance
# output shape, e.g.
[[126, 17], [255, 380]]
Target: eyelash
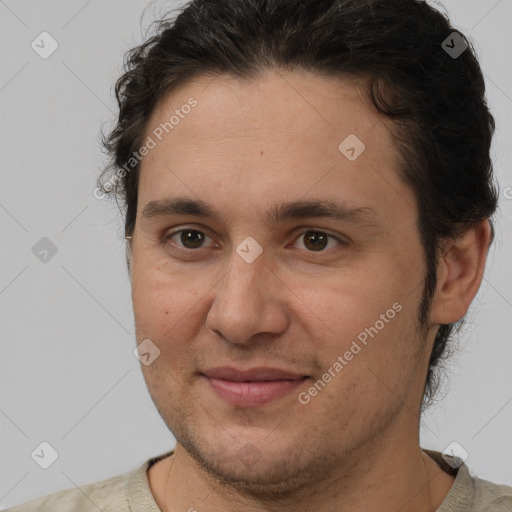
[[169, 236]]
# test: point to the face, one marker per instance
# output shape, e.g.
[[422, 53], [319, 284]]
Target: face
[[250, 281]]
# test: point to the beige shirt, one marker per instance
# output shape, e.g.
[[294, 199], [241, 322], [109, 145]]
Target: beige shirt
[[131, 493]]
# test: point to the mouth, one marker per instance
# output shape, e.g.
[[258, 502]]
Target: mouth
[[253, 387]]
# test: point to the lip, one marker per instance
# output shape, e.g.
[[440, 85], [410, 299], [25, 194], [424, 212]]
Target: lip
[[257, 374], [252, 387]]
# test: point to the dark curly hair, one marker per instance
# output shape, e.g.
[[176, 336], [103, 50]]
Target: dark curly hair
[[435, 101]]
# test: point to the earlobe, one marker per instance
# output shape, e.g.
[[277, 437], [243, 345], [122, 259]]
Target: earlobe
[[460, 271]]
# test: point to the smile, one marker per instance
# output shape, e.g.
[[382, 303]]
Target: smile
[[252, 393]]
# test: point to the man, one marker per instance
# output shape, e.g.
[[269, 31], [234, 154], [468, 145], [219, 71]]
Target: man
[[309, 196]]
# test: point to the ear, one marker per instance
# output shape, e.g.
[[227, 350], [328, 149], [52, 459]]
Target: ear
[[459, 275]]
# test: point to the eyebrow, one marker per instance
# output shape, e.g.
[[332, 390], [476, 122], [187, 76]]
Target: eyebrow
[[363, 216]]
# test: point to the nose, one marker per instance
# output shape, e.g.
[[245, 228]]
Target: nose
[[249, 301]]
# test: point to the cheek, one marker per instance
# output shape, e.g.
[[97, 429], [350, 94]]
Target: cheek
[[345, 303], [165, 314], [163, 306], [364, 314]]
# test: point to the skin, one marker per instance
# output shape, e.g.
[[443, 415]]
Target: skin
[[245, 147]]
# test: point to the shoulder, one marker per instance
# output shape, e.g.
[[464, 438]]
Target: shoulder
[[470, 493], [473, 494], [129, 492], [105, 495], [490, 497]]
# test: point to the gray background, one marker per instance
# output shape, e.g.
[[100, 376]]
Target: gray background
[[68, 375]]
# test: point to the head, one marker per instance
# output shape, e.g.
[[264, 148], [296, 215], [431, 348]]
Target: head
[[243, 106]]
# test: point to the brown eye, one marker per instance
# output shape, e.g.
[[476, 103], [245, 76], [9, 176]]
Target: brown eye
[[192, 237], [318, 241], [188, 238], [315, 240]]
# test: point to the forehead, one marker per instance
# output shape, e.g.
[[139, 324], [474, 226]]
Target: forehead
[[282, 136], [296, 104]]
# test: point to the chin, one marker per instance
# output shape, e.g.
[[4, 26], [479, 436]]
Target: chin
[[262, 478]]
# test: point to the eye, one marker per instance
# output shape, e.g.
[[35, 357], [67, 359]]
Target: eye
[[189, 238], [317, 241]]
